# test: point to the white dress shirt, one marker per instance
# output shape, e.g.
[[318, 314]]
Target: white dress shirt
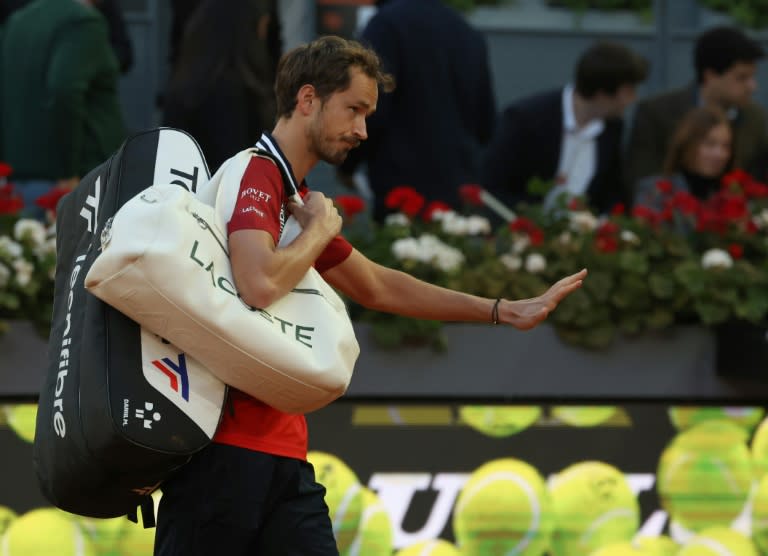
[[578, 153]]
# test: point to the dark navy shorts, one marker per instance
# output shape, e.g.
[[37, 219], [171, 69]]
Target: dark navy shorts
[[236, 502]]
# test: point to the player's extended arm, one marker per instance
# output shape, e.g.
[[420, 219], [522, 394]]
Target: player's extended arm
[[384, 289]]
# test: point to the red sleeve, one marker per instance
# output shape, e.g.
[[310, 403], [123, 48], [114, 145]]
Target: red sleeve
[[260, 199], [335, 253]]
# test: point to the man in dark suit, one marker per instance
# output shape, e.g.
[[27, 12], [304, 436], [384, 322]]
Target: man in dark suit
[[570, 137], [429, 133], [726, 63]]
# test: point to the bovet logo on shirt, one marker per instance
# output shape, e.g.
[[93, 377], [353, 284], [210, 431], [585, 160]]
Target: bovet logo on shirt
[[256, 194]]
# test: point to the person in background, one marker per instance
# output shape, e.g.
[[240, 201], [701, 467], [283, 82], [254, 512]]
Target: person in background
[[570, 137], [699, 155], [252, 491], [59, 103], [725, 60], [430, 132], [221, 91]]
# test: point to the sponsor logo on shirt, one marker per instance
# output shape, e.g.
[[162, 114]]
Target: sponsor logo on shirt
[[251, 208], [256, 194]]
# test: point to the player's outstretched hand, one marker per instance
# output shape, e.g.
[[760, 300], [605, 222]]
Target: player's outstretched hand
[[527, 313]]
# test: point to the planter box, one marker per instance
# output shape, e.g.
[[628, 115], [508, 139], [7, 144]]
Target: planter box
[[23, 358], [742, 350]]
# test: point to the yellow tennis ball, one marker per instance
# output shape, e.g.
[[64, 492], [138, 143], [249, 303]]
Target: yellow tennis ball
[[620, 549], [103, 533], [134, 540], [684, 417], [583, 416], [759, 449], [343, 494], [499, 420], [437, 547], [705, 475], [641, 546], [21, 418], [760, 515], [594, 507], [657, 546], [719, 541], [7, 515], [375, 534], [45, 532], [503, 508]]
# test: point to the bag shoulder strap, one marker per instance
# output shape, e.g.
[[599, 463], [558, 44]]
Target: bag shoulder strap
[[287, 182]]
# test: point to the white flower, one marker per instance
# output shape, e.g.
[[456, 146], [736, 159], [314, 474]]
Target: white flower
[[520, 244], [448, 258], [406, 248], [583, 221], [10, 248], [23, 271], [29, 229], [512, 262], [440, 214], [5, 275], [397, 219], [428, 249], [535, 263], [478, 225], [763, 217], [565, 238], [628, 236], [716, 258], [47, 248], [454, 224]]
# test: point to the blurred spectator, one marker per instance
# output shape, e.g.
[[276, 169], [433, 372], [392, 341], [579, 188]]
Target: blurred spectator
[[726, 63], [570, 136], [221, 91], [182, 10], [112, 12], [698, 157], [430, 131], [118, 33], [58, 103]]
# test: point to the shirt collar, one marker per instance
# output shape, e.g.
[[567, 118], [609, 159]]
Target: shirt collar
[[267, 143], [591, 130]]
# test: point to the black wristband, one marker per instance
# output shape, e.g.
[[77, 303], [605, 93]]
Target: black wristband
[[495, 311]]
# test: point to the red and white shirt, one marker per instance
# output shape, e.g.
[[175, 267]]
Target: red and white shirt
[[260, 205]]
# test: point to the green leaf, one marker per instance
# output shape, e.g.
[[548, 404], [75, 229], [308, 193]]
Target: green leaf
[[712, 312], [662, 286]]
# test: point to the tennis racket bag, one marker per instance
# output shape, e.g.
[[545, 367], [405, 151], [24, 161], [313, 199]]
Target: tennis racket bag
[[120, 408]]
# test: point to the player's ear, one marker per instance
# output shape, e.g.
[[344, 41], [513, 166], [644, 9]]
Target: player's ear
[[306, 99]]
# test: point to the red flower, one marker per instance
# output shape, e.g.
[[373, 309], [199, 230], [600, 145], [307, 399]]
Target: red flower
[[684, 202], [751, 227], [756, 190], [432, 208], [608, 228], [536, 236], [526, 226], [665, 187], [5, 170], [521, 224], [618, 209], [736, 177], [736, 250], [734, 207], [642, 212], [576, 203], [405, 199], [10, 202], [50, 200], [606, 244], [350, 205], [471, 194]]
